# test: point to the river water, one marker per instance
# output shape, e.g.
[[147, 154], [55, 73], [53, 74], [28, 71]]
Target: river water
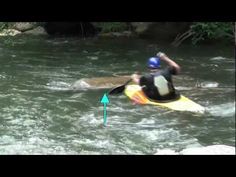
[[39, 115]]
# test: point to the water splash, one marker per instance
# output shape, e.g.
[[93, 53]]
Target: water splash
[[201, 150], [79, 85], [222, 110], [33, 146], [207, 84], [58, 86]]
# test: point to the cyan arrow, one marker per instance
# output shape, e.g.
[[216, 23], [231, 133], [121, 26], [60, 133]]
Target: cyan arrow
[[105, 101]]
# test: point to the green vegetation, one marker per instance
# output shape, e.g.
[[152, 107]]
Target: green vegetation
[[198, 32], [3, 25], [8, 25], [212, 30]]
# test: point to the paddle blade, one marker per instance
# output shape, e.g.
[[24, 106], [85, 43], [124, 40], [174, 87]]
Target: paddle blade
[[117, 90]]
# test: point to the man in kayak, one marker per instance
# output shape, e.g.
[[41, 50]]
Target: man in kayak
[[158, 85]]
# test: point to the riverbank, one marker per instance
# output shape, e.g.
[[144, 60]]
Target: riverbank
[[116, 29], [20, 28], [171, 32]]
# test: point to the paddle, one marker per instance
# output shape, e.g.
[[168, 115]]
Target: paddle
[[119, 89]]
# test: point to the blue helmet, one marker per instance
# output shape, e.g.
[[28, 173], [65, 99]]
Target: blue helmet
[[154, 62]]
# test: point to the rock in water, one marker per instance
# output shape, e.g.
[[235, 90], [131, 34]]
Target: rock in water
[[37, 31], [23, 26], [9, 32], [99, 82]]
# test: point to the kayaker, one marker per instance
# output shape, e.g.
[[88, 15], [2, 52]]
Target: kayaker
[[157, 84]]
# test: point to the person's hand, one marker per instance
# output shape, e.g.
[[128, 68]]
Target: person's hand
[[134, 76], [160, 55]]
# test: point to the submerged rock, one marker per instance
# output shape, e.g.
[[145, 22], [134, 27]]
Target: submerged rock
[[141, 27], [99, 82]]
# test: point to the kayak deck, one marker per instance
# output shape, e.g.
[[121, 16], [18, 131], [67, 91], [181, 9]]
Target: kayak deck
[[135, 93]]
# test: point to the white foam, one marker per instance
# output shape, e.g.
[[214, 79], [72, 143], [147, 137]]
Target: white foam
[[2, 76], [183, 88], [58, 86], [222, 110], [146, 121], [218, 58], [116, 109], [92, 57], [32, 146], [154, 135], [90, 120], [166, 152], [210, 150], [77, 95], [97, 143], [80, 84], [208, 84], [5, 139]]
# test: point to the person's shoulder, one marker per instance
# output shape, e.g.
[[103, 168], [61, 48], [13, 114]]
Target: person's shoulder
[[146, 75]]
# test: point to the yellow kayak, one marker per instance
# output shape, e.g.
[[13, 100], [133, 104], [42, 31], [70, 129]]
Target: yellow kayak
[[135, 93]]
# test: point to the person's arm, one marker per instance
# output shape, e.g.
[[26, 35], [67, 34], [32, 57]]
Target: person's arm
[[170, 62]]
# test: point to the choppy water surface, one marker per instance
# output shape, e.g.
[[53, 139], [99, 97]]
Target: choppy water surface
[[39, 115]]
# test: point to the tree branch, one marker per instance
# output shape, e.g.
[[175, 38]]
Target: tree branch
[[180, 38]]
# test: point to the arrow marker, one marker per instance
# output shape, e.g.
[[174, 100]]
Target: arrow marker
[[104, 101]]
